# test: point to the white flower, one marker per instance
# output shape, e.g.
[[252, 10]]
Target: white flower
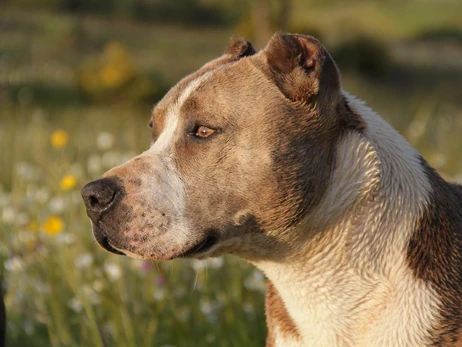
[[65, 238], [113, 271], [105, 140], [94, 164], [159, 294], [57, 205], [198, 265], [75, 304], [14, 264], [26, 171], [83, 261], [206, 306], [9, 214], [215, 263], [256, 281], [42, 195]]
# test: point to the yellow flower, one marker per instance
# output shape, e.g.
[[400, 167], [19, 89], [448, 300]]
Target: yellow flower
[[53, 225], [68, 182], [59, 138]]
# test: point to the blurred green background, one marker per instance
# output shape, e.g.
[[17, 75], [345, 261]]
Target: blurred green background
[[78, 79]]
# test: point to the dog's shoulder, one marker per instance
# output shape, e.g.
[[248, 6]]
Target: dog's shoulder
[[435, 253]]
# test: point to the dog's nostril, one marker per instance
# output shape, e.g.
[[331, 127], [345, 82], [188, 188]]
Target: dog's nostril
[[93, 201], [98, 196]]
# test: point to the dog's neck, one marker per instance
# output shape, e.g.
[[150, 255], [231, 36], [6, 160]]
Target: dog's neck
[[349, 283]]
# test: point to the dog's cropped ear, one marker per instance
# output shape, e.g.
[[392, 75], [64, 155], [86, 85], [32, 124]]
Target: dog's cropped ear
[[239, 48], [301, 67]]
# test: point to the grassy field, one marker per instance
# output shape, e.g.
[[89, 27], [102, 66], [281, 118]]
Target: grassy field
[[60, 129]]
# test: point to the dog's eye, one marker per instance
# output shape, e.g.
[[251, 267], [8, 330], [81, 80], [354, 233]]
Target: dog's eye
[[203, 132]]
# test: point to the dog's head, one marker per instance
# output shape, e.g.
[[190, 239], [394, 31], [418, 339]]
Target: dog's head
[[242, 151]]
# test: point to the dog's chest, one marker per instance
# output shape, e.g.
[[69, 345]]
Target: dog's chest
[[343, 308]]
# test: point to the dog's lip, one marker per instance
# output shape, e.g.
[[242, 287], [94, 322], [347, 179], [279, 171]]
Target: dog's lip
[[104, 242], [201, 247]]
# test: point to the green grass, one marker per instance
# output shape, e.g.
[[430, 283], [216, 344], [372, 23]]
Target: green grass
[[63, 290]]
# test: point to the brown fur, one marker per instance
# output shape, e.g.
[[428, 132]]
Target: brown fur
[[435, 254], [278, 318]]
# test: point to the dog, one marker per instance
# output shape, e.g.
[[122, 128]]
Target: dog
[[263, 155]]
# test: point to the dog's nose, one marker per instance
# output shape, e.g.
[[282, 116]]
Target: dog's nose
[[99, 196]]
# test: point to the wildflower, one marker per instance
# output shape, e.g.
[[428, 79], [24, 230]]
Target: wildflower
[[26, 171], [159, 294], [83, 261], [160, 280], [53, 225], [76, 305], [215, 263], [94, 163], [65, 238], [14, 264], [256, 281], [59, 138], [56, 204], [198, 265], [105, 140], [68, 182], [9, 214], [145, 266], [42, 195], [113, 271]]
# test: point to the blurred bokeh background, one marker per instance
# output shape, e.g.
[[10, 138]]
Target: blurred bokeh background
[[78, 79]]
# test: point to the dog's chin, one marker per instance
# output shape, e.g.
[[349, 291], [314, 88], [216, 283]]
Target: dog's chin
[[202, 249], [104, 241]]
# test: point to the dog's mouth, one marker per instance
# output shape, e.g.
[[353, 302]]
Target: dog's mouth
[[104, 242], [203, 246]]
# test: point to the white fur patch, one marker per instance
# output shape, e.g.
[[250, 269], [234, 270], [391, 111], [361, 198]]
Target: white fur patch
[[351, 285], [166, 137], [166, 186]]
